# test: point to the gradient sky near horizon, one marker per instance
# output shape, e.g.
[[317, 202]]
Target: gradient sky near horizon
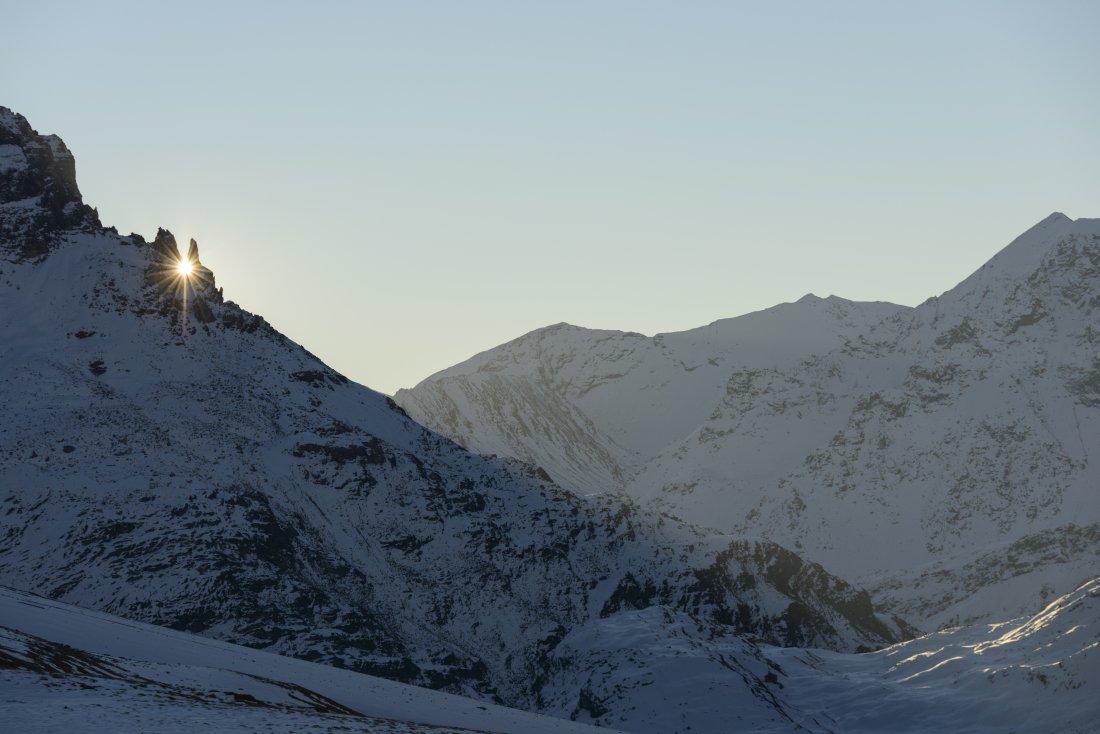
[[398, 186]]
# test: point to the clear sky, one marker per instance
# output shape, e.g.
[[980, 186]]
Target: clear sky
[[400, 185]]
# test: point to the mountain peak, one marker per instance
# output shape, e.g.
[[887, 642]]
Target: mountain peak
[[1023, 256], [39, 197], [1056, 217], [811, 298]]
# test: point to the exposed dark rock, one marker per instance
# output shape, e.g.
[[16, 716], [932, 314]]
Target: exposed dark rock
[[320, 378], [395, 407], [589, 704], [630, 594], [369, 452]]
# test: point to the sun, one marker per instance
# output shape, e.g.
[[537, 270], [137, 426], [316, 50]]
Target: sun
[[184, 267]]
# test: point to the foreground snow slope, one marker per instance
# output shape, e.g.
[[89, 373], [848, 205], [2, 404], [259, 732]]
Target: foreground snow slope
[[1034, 674], [66, 668], [942, 455]]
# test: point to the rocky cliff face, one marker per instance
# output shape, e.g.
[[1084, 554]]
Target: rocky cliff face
[[902, 447], [169, 457]]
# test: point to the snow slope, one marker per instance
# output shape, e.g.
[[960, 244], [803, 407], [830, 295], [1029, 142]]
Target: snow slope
[[899, 447], [1034, 674], [66, 668]]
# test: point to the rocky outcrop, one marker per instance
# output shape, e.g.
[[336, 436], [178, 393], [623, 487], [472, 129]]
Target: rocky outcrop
[[39, 197]]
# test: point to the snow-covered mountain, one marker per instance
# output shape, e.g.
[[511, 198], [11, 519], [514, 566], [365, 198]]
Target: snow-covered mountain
[[170, 458], [941, 455]]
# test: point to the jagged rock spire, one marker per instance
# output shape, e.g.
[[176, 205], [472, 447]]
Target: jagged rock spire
[[164, 275]]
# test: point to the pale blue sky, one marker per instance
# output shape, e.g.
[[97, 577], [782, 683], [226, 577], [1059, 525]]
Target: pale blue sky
[[400, 185]]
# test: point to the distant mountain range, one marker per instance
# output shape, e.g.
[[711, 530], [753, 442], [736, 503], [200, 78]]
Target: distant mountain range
[[946, 456]]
